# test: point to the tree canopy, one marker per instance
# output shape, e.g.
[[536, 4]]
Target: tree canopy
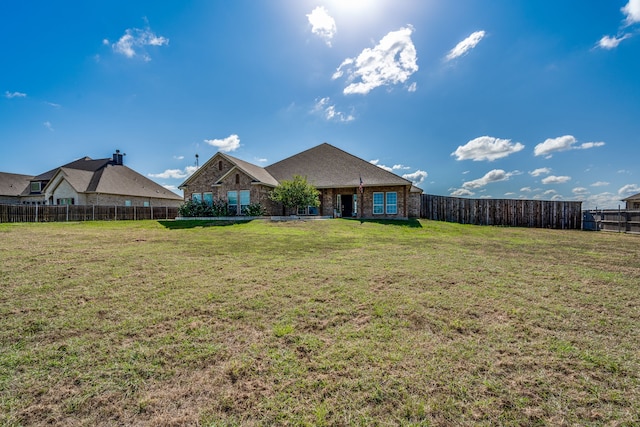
[[295, 193]]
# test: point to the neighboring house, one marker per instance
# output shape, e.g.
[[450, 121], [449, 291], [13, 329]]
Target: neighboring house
[[12, 185], [633, 202], [335, 173], [92, 182]]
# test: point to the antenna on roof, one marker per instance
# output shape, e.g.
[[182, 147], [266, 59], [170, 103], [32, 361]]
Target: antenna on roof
[[197, 160]]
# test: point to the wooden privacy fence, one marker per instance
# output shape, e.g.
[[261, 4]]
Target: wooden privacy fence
[[621, 221], [58, 213], [505, 212]]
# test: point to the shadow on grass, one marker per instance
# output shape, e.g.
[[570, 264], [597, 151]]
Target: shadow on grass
[[411, 223], [184, 224]]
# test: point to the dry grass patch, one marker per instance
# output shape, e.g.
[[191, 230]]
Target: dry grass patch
[[317, 323]]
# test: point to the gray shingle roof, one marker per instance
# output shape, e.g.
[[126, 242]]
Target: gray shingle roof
[[102, 176], [256, 172], [326, 166], [13, 184]]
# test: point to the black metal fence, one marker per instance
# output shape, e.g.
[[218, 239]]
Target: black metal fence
[[617, 220], [58, 213]]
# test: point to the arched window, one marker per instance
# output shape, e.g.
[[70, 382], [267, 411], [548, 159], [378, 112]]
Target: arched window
[[237, 178]]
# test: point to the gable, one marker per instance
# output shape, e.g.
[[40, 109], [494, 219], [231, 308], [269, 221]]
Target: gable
[[220, 165]]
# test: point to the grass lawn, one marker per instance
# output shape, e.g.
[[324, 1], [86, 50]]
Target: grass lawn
[[336, 322]]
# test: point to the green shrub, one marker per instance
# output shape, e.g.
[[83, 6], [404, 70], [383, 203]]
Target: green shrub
[[255, 209]]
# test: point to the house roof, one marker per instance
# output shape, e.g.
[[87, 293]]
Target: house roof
[[634, 197], [85, 164], [110, 179], [13, 184], [256, 172], [326, 166]]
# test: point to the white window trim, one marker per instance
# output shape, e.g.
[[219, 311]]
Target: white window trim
[[374, 203], [387, 205]]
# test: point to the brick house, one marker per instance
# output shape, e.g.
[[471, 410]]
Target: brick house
[[335, 173], [88, 182]]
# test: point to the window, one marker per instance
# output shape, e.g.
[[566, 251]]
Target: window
[[355, 205], [66, 201], [146, 204], [378, 203], [220, 165], [208, 198], [232, 201], [245, 196], [196, 197], [313, 210], [237, 178], [35, 187], [392, 203]]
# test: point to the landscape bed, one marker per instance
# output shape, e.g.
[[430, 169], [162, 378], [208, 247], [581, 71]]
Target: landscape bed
[[338, 322]]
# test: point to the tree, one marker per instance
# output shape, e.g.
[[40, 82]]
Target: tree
[[296, 193]]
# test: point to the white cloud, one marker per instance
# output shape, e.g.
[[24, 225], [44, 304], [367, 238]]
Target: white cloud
[[322, 24], [556, 179], [540, 171], [486, 148], [171, 188], [393, 60], [526, 189], [178, 157], [632, 12], [48, 125], [629, 190], [261, 160], [604, 200], [170, 173], [461, 192], [416, 177], [134, 41], [377, 163], [587, 145], [10, 95], [607, 42], [465, 45], [562, 143], [329, 111], [412, 87], [494, 175], [600, 184], [230, 143], [400, 167], [580, 191]]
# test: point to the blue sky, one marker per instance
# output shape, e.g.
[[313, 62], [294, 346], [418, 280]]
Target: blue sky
[[503, 99]]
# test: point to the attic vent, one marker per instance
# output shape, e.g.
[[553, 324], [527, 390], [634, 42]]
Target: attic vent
[[117, 157]]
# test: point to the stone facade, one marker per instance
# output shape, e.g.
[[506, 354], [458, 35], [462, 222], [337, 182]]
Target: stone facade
[[235, 180]]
